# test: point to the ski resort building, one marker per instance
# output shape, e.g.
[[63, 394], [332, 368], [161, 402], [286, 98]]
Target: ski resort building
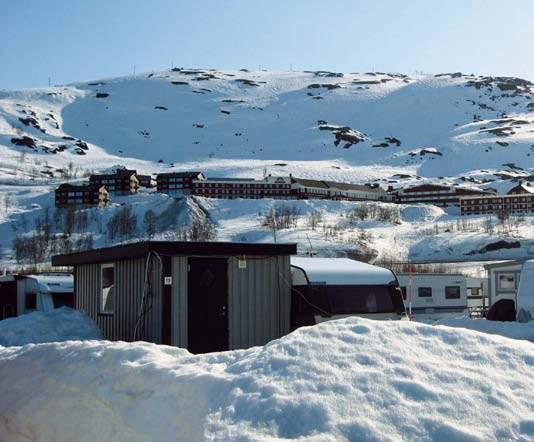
[[518, 200], [231, 188], [177, 183], [438, 195], [122, 182], [203, 296], [85, 195]]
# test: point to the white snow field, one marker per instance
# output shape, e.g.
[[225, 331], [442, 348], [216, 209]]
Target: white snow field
[[384, 128], [62, 324], [352, 379], [514, 330]]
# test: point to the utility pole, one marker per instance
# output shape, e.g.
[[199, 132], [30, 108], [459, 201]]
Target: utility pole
[[49, 81], [134, 70]]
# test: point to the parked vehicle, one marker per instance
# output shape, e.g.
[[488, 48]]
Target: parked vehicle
[[21, 294], [525, 293], [331, 288], [432, 296]]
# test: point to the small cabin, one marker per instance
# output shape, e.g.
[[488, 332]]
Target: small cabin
[[503, 280], [203, 296]]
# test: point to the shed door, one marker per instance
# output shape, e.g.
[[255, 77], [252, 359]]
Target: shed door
[[207, 300], [8, 299]]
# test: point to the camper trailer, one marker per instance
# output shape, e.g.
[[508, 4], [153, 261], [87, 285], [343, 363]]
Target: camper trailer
[[331, 288], [433, 296], [525, 293], [21, 294]]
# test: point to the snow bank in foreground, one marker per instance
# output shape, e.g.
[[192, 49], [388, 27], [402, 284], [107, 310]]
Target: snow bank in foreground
[[352, 379], [63, 324], [514, 330]]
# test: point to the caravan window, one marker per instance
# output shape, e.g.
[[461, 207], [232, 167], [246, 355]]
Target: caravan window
[[347, 299], [506, 281], [425, 292], [452, 292], [107, 273]]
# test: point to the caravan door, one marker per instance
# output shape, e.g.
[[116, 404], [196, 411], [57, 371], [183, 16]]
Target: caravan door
[[525, 293]]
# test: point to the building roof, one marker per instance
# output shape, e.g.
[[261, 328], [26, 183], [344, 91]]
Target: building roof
[[494, 265], [342, 271], [310, 183], [521, 188], [179, 174], [119, 173], [348, 186], [68, 187], [173, 248]]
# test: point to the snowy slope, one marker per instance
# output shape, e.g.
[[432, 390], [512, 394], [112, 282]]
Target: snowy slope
[[351, 379], [390, 129]]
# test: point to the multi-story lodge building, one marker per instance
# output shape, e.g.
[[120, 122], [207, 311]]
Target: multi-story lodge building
[[518, 200], [145, 181], [177, 183], [276, 187], [123, 181], [88, 195], [436, 194]]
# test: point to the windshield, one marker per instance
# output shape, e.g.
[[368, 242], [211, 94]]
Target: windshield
[[354, 299]]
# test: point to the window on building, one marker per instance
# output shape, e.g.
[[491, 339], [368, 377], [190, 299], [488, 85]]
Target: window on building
[[424, 292], [107, 304], [506, 281], [452, 292]]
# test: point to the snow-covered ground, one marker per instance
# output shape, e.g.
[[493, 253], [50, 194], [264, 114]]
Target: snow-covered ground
[[63, 324], [514, 330], [453, 129], [351, 379]]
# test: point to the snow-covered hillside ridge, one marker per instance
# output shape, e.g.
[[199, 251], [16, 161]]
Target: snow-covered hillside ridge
[[352, 379], [431, 126]]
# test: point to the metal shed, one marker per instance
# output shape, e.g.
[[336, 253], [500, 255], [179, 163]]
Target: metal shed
[[203, 296]]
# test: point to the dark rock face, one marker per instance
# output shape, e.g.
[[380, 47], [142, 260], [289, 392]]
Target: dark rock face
[[344, 133], [96, 83], [101, 95], [24, 141], [31, 121], [82, 145], [232, 100], [224, 111], [179, 82], [246, 82], [163, 108]]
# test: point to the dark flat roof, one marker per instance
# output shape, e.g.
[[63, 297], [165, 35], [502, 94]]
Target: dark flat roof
[[173, 248]]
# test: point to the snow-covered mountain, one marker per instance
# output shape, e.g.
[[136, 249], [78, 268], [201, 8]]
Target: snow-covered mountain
[[392, 129]]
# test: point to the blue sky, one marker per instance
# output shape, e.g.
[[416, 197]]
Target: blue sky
[[77, 40]]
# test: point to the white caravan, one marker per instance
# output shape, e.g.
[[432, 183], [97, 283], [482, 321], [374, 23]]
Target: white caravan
[[432, 296], [21, 294], [525, 293], [333, 288]]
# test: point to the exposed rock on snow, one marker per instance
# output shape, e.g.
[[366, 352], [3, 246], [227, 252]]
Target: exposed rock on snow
[[63, 324], [352, 379]]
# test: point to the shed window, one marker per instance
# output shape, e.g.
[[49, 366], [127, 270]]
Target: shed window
[[425, 292], [107, 304], [507, 281], [452, 292]]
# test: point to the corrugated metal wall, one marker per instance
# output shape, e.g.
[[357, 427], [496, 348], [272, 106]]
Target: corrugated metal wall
[[259, 299], [129, 284]]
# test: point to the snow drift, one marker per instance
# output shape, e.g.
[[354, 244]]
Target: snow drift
[[352, 379], [63, 324]]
